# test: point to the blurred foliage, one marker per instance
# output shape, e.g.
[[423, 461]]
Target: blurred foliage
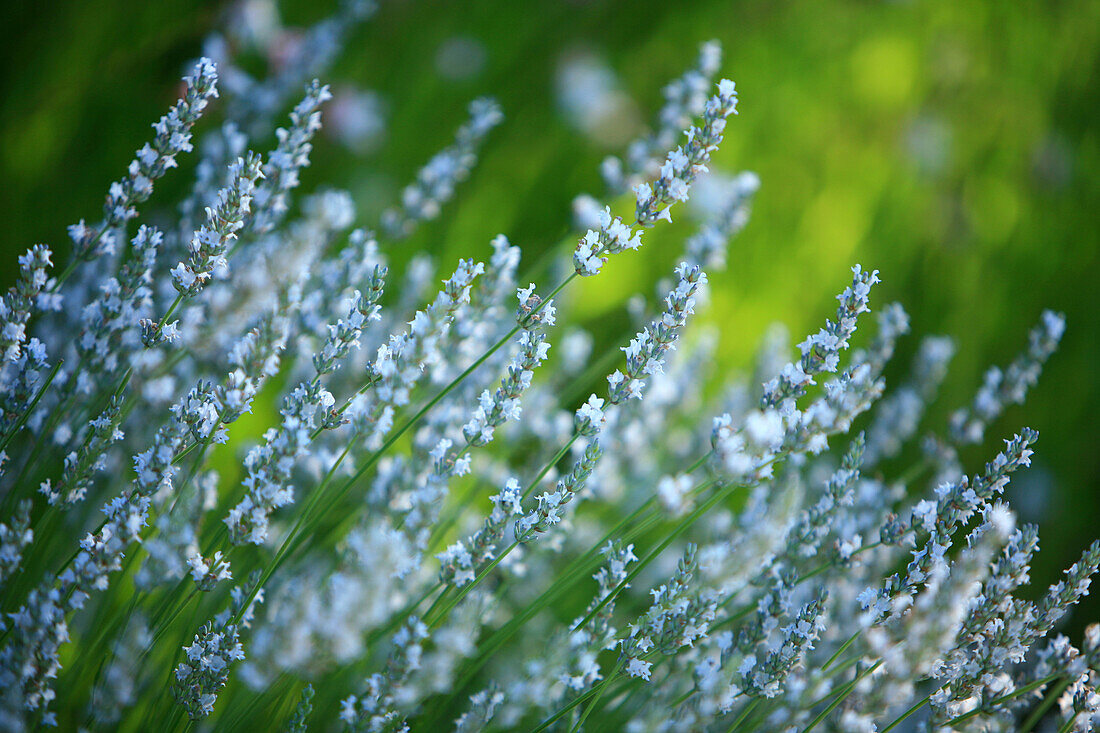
[[953, 146]]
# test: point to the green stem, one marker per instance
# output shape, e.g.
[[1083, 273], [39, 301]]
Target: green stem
[[572, 704], [843, 648], [1042, 708], [30, 407], [600, 689], [743, 715], [916, 706], [842, 695], [549, 465], [435, 622]]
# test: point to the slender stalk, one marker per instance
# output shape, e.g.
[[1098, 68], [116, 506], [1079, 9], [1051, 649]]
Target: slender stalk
[[916, 706], [1068, 725], [1041, 709], [743, 715], [594, 692], [14, 430], [596, 698], [842, 695], [843, 648]]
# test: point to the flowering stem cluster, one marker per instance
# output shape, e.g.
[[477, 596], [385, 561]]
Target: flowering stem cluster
[[748, 575]]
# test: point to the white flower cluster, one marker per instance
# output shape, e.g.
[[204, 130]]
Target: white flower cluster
[[655, 201], [150, 163], [343, 335], [207, 573], [108, 321], [82, 464], [483, 706], [308, 409], [552, 503], [645, 355], [374, 709], [22, 382], [291, 154], [746, 453], [15, 535], [679, 616], [400, 363], [587, 640], [31, 660], [683, 164], [1002, 388], [209, 245], [764, 671], [612, 237], [434, 185], [460, 561], [955, 505], [806, 536], [17, 306], [821, 351], [755, 578], [495, 408], [206, 670], [685, 99]]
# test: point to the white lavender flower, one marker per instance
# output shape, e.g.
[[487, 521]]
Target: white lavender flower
[[1002, 388], [151, 162], [207, 573], [645, 354], [461, 561], [746, 453], [956, 503], [655, 202], [551, 504], [400, 362], [504, 404], [685, 100], [435, 182], [281, 171], [209, 245], [707, 247], [109, 323], [17, 306], [89, 458], [679, 616], [686, 162], [15, 535], [821, 351], [21, 383], [206, 669], [374, 709], [586, 641], [763, 674], [483, 706]]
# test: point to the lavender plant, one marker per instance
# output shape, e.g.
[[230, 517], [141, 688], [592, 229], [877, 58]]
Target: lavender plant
[[439, 528]]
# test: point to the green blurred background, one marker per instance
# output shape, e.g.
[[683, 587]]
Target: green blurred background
[[953, 146]]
